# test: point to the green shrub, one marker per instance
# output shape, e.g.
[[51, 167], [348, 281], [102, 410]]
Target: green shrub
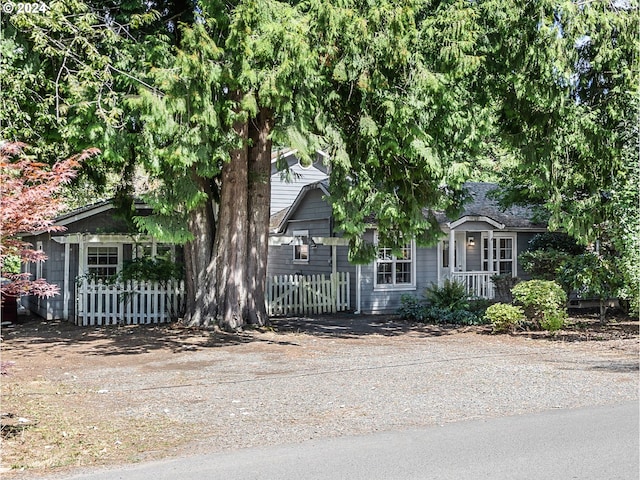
[[593, 275], [543, 264], [553, 320], [504, 317], [451, 296], [412, 308], [558, 241], [540, 298]]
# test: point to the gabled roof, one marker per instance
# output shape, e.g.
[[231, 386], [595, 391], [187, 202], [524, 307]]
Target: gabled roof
[[279, 219], [482, 207], [91, 210]]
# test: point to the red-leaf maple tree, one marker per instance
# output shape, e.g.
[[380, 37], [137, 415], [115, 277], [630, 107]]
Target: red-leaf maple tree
[[29, 201]]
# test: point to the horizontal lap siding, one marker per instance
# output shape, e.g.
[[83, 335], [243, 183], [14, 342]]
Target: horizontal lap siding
[[386, 301], [313, 214], [284, 193]]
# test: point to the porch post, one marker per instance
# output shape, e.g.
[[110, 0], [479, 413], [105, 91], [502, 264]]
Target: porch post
[[490, 251], [452, 252], [490, 263], [67, 285]]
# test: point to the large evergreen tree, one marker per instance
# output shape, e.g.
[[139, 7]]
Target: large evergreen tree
[[405, 94]]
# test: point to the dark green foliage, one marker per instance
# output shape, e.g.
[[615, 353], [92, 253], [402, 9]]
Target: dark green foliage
[[544, 302], [543, 264], [592, 275], [448, 304], [546, 254], [450, 296], [150, 269], [556, 241], [504, 317]]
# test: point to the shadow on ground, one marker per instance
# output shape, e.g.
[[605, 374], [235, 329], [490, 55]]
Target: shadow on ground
[[52, 336], [135, 339]]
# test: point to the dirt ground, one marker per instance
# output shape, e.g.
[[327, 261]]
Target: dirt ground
[[74, 396]]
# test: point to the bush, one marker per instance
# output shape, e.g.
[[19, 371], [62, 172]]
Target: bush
[[451, 296], [593, 275], [543, 264], [557, 241], [553, 320], [416, 310], [412, 308], [504, 317], [541, 299]]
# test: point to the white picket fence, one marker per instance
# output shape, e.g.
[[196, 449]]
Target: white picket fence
[[128, 303], [308, 294]]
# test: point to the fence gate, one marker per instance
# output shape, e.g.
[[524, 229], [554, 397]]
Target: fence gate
[[308, 294], [128, 303]]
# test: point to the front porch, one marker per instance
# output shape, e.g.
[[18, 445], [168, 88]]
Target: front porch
[[477, 284], [465, 256]]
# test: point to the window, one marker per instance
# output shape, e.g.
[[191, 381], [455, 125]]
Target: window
[[163, 251], [445, 254], [301, 246], [395, 270], [503, 255], [102, 262]]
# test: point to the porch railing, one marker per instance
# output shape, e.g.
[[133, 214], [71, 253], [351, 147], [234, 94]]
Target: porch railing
[[477, 284]]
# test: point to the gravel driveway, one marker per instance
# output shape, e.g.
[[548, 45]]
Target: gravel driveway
[[210, 391]]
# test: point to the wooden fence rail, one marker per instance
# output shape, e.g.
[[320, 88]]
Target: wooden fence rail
[[308, 294], [128, 303]]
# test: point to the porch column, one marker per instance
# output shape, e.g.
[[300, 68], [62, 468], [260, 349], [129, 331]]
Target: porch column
[[452, 252], [67, 284], [490, 289], [490, 251]]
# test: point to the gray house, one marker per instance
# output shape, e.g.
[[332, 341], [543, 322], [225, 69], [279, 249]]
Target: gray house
[[94, 246], [97, 243], [288, 176], [486, 241]]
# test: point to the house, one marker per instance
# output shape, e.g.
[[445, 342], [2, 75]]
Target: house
[[97, 243], [94, 246], [304, 241], [288, 176]]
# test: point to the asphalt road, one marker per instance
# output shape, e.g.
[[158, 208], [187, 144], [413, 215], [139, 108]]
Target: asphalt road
[[599, 443]]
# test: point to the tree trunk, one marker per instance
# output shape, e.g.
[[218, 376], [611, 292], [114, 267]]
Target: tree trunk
[[199, 266], [259, 209], [231, 254], [226, 263]]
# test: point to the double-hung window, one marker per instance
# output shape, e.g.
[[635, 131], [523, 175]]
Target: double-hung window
[[395, 270]]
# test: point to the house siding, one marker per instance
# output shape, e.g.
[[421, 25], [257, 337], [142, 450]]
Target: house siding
[[53, 269], [387, 301], [314, 215], [285, 188]]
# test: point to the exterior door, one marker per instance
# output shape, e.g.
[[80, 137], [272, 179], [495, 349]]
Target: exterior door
[[460, 259]]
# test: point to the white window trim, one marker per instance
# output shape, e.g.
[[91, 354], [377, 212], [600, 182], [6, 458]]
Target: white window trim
[[394, 286], [496, 236], [116, 245], [137, 251], [297, 234], [39, 265]]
